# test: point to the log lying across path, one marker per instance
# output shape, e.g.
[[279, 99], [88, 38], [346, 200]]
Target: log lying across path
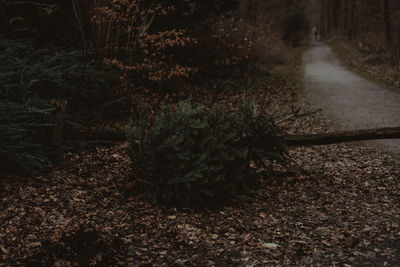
[[291, 140], [342, 137], [60, 133]]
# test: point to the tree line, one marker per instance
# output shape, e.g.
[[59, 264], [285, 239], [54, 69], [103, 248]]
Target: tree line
[[373, 24]]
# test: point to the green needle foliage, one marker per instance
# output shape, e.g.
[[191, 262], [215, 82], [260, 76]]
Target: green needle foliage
[[195, 157], [29, 79], [24, 145], [26, 72]]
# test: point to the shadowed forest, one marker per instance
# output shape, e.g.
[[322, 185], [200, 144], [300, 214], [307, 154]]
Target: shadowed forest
[[199, 133]]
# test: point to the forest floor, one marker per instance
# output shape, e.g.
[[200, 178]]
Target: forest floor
[[339, 207]]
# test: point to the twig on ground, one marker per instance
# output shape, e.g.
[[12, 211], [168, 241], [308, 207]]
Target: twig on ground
[[297, 115]]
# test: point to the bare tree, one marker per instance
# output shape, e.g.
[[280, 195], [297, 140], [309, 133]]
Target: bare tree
[[387, 23]]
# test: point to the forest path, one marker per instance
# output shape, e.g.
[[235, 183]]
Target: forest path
[[351, 101]]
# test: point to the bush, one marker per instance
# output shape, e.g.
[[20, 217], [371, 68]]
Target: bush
[[28, 73], [24, 146], [29, 79], [192, 156], [127, 39]]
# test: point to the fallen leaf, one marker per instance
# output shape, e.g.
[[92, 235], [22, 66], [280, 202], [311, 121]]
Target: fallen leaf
[[271, 245]]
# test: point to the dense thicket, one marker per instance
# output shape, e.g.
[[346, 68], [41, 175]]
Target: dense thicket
[[29, 73], [24, 145], [29, 79], [161, 44], [49, 49]]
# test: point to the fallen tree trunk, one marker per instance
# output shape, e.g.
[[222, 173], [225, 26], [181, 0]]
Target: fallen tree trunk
[[291, 140], [342, 137]]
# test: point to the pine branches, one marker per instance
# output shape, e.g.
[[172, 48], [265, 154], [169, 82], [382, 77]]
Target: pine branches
[[29, 79], [28, 73], [24, 146]]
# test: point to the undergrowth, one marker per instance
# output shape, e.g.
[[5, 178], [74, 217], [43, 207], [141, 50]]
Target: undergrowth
[[29, 79], [29, 73], [368, 64], [24, 145]]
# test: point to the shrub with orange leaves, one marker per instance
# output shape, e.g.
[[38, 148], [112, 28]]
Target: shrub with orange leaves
[[160, 43], [124, 38]]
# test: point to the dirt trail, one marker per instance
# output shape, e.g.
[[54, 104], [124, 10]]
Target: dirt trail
[[351, 101]]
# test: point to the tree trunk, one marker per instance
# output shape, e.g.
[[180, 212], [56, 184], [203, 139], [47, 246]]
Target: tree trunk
[[345, 20], [290, 140], [57, 120], [336, 14], [353, 21], [388, 24], [342, 137], [323, 19]]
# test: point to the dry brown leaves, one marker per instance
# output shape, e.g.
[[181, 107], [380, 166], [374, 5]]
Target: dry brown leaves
[[341, 207]]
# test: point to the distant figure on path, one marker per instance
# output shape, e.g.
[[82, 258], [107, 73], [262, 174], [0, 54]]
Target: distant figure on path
[[315, 34]]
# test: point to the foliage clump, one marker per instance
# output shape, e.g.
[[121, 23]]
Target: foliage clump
[[24, 145], [29, 79], [29, 73], [128, 36], [192, 156]]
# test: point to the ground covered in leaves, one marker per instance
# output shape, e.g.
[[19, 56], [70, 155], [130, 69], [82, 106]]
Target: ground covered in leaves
[[336, 205]]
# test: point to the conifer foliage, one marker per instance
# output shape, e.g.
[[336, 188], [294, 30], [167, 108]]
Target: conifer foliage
[[24, 145], [193, 157], [29, 73], [29, 79]]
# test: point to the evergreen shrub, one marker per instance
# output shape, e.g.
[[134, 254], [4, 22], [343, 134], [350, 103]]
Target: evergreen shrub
[[26, 73], [29, 79], [191, 156], [24, 142]]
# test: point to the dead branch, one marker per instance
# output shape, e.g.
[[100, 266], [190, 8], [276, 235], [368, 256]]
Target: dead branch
[[297, 115]]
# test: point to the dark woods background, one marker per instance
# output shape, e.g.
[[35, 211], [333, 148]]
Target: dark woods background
[[373, 25], [99, 28]]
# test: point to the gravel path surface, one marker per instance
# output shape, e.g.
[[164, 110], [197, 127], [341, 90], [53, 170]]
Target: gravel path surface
[[351, 101]]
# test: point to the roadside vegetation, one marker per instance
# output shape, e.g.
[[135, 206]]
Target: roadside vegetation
[[371, 65]]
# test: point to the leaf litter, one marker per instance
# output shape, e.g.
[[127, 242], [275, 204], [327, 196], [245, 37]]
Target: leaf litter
[[340, 206]]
